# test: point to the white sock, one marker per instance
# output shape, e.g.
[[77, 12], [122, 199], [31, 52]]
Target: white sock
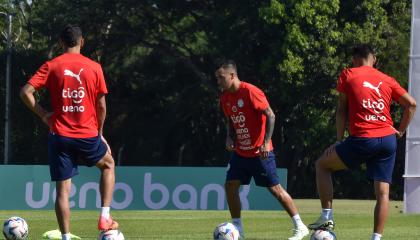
[[297, 221], [105, 212], [376, 236], [327, 213], [238, 223], [65, 236]]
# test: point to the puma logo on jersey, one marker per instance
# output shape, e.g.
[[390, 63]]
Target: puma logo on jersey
[[71, 74], [369, 85]]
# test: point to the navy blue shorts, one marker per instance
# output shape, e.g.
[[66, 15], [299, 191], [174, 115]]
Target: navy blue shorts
[[64, 152], [244, 168], [377, 153]]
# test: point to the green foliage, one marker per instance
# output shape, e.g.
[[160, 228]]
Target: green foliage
[[158, 58]]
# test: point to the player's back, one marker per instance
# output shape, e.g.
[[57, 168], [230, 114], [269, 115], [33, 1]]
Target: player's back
[[370, 94], [74, 82]]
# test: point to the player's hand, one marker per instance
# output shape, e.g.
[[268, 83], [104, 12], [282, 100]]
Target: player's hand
[[107, 145], [230, 145], [264, 150], [399, 134], [46, 118]]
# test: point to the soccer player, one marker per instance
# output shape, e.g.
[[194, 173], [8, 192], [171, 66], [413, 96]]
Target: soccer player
[[77, 92], [365, 97], [250, 125]]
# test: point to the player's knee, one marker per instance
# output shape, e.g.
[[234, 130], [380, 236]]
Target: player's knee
[[107, 162], [110, 163], [279, 192], [382, 194], [62, 194], [320, 164]]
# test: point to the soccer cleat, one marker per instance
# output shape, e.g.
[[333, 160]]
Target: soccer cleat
[[56, 235], [299, 233], [107, 224], [322, 223]]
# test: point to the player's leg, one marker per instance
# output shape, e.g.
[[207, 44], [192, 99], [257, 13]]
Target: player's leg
[[284, 199], [95, 153], [380, 169], [232, 197], [382, 206], [62, 208], [236, 176], [264, 172], [265, 175], [107, 183], [299, 230], [234, 204], [62, 168], [328, 163]]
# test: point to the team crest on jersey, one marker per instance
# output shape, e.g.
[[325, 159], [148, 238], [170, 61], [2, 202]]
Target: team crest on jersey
[[234, 109], [240, 103]]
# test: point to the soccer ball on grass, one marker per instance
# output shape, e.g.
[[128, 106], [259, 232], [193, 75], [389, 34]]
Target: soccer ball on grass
[[323, 234], [15, 228], [226, 231], [111, 235]]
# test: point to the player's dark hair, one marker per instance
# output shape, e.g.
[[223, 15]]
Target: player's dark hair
[[71, 35], [226, 64], [362, 51]]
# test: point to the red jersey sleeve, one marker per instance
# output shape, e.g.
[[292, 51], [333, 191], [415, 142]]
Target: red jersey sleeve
[[39, 79], [258, 99], [397, 90], [101, 88], [341, 82]]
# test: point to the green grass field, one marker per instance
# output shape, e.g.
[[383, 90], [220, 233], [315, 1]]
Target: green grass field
[[353, 221]]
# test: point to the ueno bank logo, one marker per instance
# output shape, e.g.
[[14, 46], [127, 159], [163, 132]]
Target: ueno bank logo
[[154, 195]]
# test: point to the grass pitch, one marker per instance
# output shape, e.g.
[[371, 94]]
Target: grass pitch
[[354, 220]]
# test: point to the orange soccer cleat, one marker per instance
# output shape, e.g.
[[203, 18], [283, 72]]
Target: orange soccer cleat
[[107, 224]]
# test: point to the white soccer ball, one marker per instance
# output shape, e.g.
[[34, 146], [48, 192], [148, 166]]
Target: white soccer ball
[[321, 234], [226, 231], [15, 228], [111, 235]]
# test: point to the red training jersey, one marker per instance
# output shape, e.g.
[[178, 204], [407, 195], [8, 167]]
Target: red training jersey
[[74, 82], [370, 94], [245, 108]]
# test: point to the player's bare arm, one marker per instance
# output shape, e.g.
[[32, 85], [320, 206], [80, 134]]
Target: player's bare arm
[[341, 116], [27, 96], [409, 105], [230, 135], [340, 120], [101, 112], [269, 129]]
